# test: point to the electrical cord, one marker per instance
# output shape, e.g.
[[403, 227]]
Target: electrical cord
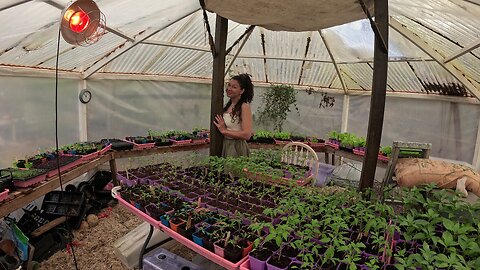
[[56, 145]]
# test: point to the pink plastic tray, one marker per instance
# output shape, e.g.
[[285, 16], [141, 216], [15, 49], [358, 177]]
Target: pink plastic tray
[[33, 181], [334, 146], [316, 144], [358, 152], [138, 213], [201, 141], [105, 149], [90, 156], [383, 158], [65, 167], [182, 240], [302, 182], [143, 146], [245, 265], [96, 154], [4, 195], [181, 142], [280, 142]]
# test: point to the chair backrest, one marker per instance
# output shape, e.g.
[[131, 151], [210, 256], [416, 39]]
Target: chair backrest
[[298, 153]]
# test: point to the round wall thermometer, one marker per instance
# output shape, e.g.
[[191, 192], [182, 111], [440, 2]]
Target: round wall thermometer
[[85, 96]]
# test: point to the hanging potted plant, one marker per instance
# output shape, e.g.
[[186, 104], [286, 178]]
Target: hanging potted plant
[[276, 104]]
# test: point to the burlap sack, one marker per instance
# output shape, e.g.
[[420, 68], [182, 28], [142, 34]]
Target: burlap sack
[[415, 171]]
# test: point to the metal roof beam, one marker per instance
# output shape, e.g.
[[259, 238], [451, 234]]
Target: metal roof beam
[[339, 73], [473, 2], [282, 58], [119, 33], [172, 38], [137, 40], [476, 155], [14, 5], [315, 60], [238, 51], [176, 45], [463, 51], [454, 71]]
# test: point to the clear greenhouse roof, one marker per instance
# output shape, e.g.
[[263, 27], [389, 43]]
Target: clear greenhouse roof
[[433, 46]]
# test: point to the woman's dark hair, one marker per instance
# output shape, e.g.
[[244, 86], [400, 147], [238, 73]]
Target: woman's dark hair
[[246, 97]]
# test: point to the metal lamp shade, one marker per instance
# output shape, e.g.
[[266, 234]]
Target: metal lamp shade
[[92, 32]]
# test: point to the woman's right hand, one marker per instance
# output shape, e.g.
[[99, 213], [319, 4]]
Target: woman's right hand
[[220, 123]]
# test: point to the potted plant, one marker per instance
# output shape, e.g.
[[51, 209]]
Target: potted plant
[[276, 104]]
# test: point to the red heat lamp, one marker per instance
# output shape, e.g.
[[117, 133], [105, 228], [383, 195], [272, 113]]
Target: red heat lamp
[[82, 23]]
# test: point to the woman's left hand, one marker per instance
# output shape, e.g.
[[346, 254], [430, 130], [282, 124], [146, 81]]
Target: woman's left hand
[[220, 123]]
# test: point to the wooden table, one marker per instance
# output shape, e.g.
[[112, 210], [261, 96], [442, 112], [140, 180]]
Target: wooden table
[[23, 196], [330, 154]]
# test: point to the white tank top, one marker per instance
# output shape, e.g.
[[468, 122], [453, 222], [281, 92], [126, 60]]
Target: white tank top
[[231, 124]]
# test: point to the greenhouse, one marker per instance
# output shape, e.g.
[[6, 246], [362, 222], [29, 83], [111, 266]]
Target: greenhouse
[[250, 134]]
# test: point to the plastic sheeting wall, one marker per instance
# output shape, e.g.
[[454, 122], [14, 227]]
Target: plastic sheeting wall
[[122, 108], [450, 127], [129, 108], [311, 119], [27, 116]]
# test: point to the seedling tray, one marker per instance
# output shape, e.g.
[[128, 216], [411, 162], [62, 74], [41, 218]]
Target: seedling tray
[[261, 177], [66, 163], [4, 195], [163, 142], [96, 154], [27, 177], [137, 145], [182, 142], [282, 142], [118, 145], [333, 145], [79, 149], [58, 203], [182, 240]]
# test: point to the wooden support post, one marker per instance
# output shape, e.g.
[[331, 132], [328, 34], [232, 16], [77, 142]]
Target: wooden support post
[[113, 170], [346, 108], [476, 154], [221, 28], [82, 114], [377, 103]]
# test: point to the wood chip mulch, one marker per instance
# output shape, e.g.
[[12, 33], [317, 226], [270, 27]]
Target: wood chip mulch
[[95, 245]]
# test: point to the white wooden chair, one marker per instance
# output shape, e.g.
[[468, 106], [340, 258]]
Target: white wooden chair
[[298, 153]]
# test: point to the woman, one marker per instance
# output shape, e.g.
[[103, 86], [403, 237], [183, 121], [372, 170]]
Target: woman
[[236, 122]]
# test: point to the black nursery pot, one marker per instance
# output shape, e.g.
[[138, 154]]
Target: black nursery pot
[[290, 251], [232, 253], [261, 254], [207, 243], [184, 232], [20, 163], [154, 211]]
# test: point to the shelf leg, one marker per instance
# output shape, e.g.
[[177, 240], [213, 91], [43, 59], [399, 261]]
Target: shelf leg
[[113, 169], [140, 259]]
